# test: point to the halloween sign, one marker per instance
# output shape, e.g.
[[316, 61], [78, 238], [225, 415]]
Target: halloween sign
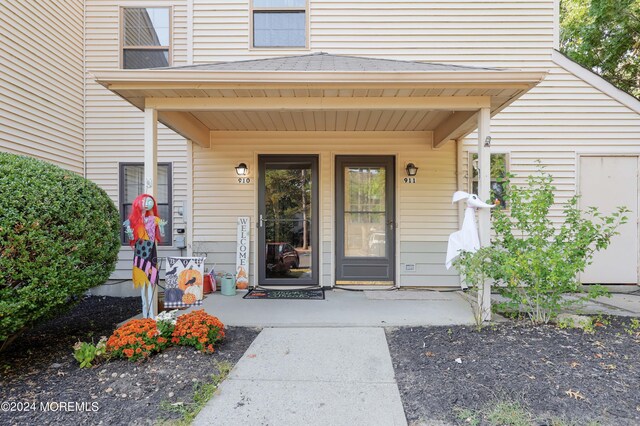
[[184, 281]]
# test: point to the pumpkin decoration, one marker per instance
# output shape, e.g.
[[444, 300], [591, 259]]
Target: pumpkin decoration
[[188, 278], [196, 290], [173, 295], [189, 299], [242, 281], [171, 281]]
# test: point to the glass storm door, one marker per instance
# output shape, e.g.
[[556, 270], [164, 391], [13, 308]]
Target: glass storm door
[[365, 220], [287, 220]]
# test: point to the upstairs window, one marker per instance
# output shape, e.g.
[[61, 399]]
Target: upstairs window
[[146, 37], [499, 170], [279, 23]]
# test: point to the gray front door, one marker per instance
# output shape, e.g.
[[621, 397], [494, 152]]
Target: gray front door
[[288, 220], [365, 219]]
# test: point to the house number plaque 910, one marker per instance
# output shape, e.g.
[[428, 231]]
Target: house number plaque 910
[[409, 180], [244, 180]]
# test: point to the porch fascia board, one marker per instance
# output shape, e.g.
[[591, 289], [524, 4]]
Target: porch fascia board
[[172, 79], [458, 103]]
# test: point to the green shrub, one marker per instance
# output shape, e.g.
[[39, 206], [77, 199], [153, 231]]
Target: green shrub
[[59, 236], [534, 262]]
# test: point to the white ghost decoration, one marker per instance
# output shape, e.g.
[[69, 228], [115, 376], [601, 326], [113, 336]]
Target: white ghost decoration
[[466, 239]]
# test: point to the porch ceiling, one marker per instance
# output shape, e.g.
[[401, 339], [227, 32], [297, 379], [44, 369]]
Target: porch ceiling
[[197, 102]]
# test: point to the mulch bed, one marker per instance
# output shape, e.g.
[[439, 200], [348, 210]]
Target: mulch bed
[[535, 366], [40, 368]]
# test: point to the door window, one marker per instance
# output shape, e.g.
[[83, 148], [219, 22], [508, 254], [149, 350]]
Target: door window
[[287, 220], [365, 212]]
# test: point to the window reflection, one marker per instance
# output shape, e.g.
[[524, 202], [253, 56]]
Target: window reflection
[[146, 37], [287, 221], [146, 26], [364, 212], [279, 29]]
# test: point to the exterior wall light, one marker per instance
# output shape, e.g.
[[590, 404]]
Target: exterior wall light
[[411, 169], [242, 169]]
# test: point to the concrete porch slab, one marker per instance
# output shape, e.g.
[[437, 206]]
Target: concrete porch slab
[[628, 302], [342, 309]]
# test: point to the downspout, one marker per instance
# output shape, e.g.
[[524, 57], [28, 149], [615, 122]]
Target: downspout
[[460, 184], [189, 201], [84, 89], [189, 32]]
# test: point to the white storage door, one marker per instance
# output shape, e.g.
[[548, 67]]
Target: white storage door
[[607, 182]]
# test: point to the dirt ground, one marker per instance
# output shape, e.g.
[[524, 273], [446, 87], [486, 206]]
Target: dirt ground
[[554, 373], [39, 369]]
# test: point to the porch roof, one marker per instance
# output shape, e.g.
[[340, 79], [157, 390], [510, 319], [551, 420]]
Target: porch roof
[[320, 92]]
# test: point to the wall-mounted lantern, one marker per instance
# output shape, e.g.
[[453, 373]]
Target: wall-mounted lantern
[[411, 169], [242, 169]]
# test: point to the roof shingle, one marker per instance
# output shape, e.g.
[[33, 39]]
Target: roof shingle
[[325, 62]]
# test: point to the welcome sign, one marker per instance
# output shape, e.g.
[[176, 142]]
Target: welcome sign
[[242, 252]]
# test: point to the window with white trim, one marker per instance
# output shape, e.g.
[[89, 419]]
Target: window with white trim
[[132, 185], [499, 170], [146, 37], [279, 23]]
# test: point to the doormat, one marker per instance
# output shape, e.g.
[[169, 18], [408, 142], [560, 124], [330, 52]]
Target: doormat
[[310, 294]]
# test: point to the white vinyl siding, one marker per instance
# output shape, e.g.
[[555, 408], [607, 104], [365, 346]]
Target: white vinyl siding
[[114, 128], [562, 117], [41, 81], [516, 33]]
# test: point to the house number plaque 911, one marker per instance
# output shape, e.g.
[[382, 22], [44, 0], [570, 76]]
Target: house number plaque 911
[[410, 180], [244, 180]]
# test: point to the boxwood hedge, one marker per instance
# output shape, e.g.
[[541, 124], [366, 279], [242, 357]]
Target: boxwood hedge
[[59, 236]]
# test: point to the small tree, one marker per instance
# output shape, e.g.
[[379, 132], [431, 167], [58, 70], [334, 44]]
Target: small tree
[[473, 272], [533, 261], [59, 236]]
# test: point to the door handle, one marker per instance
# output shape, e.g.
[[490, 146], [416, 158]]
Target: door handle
[[391, 223], [261, 221]]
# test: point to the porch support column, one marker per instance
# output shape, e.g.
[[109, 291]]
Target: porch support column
[[484, 191], [151, 172]]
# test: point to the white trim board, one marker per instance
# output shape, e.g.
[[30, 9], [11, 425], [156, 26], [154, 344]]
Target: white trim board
[[596, 81]]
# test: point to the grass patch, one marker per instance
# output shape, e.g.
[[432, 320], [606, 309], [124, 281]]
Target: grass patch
[[202, 393], [466, 416], [507, 413]]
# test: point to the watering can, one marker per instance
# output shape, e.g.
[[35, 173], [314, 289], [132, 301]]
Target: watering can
[[228, 284]]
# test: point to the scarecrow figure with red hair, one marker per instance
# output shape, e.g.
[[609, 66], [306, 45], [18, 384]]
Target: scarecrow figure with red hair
[[144, 229]]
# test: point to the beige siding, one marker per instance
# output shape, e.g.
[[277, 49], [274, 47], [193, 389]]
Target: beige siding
[[516, 33], [425, 214], [556, 122], [114, 128], [41, 80]]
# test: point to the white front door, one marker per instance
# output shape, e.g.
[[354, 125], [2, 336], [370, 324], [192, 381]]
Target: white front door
[[607, 182]]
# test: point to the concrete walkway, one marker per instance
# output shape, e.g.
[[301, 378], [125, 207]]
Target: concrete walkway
[[310, 376]]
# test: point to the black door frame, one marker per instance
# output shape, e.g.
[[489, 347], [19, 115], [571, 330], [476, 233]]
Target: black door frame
[[294, 159], [342, 161]]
